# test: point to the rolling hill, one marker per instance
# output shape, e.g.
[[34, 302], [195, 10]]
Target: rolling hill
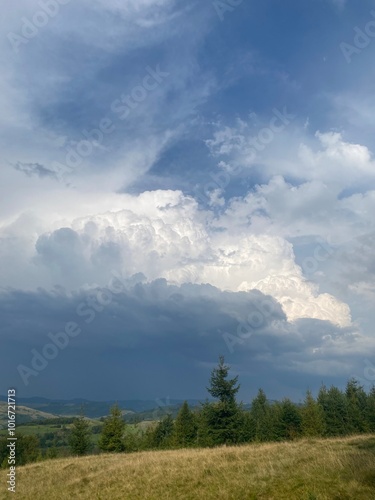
[[24, 414], [340, 469]]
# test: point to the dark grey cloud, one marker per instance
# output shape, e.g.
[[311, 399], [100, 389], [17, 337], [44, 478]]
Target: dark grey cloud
[[36, 169], [153, 340]]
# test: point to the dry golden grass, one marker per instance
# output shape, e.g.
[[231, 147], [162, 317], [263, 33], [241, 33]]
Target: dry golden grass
[[309, 469]]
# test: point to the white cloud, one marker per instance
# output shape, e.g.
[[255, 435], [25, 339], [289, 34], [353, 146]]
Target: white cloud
[[163, 235], [301, 299], [339, 163], [328, 159], [329, 197]]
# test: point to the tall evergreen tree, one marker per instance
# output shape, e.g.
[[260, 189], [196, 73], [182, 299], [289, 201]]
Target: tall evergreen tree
[[111, 438], [80, 436], [147, 438], [222, 418], [246, 427], [163, 432], [357, 407], [221, 387], [185, 427], [204, 433], [312, 414], [290, 420], [335, 410], [263, 420]]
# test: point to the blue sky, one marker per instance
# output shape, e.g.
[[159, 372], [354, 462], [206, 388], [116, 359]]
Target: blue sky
[[219, 161]]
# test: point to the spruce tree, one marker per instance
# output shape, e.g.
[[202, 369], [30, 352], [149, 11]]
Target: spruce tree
[[147, 439], [261, 413], [111, 438], [335, 408], [163, 432], [223, 417], [221, 388], [204, 432], [185, 427], [290, 420], [357, 405], [312, 417], [246, 428], [80, 436]]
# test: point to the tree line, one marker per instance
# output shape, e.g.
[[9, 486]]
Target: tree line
[[224, 421]]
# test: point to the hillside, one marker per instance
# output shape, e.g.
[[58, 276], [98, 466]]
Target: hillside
[[97, 409], [309, 469], [24, 414]]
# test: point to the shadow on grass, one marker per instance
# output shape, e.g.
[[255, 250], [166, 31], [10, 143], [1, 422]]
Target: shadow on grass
[[363, 465], [368, 445]]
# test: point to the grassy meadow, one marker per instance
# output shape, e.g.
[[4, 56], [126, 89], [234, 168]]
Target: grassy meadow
[[319, 469]]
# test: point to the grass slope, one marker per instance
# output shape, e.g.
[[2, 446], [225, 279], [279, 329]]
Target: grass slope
[[308, 469], [24, 414]]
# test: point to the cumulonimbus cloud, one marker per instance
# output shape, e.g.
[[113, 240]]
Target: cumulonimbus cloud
[[164, 235]]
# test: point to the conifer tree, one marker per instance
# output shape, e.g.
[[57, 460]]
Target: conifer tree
[[223, 417], [163, 432], [247, 427], [312, 414], [80, 436], [147, 441], [111, 438], [262, 417], [290, 420], [185, 427], [357, 405], [220, 387], [335, 410], [204, 433]]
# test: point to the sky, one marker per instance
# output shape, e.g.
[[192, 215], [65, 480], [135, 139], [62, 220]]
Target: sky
[[182, 180]]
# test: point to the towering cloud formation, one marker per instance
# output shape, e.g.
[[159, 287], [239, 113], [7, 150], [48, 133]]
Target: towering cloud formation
[[163, 234]]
